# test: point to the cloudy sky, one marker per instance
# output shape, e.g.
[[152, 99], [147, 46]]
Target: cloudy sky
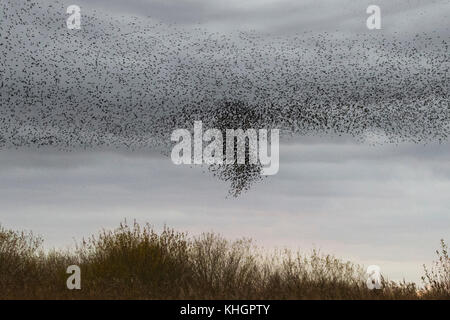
[[385, 204]]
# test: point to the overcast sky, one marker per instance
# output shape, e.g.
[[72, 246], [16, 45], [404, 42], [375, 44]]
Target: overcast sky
[[386, 205]]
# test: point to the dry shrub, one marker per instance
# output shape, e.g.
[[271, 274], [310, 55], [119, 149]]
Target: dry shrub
[[134, 262], [437, 279]]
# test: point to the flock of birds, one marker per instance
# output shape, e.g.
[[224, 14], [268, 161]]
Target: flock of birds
[[128, 82]]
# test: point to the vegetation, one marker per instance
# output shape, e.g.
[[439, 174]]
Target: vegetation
[[135, 262]]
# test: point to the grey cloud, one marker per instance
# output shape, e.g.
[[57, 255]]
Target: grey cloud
[[356, 207]]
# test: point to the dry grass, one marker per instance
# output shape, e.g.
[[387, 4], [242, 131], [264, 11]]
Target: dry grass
[[134, 262]]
